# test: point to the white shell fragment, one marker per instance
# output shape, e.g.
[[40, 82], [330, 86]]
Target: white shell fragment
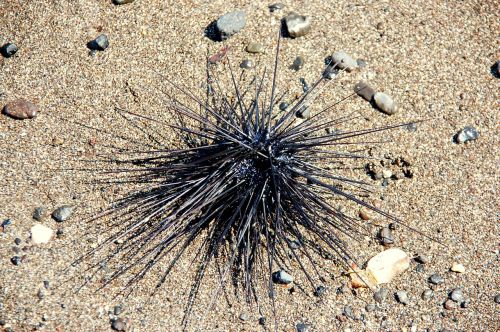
[[384, 266], [41, 234], [458, 268]]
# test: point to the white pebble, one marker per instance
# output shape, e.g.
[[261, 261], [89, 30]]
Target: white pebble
[[458, 268], [41, 234], [385, 103], [343, 61], [384, 266]]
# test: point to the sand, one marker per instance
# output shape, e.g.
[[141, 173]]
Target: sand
[[433, 57]]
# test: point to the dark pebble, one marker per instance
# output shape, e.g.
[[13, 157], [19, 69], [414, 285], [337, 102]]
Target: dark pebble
[[331, 72], [467, 134], [16, 260], [281, 277], [386, 236], [9, 50], [262, 320], [420, 268], [436, 279], [122, 2], [46, 284], [362, 89], [283, 105], [305, 86], [320, 291], [302, 327], [246, 64], [495, 69], [17, 241], [118, 325], [381, 295], [101, 43], [62, 213], [497, 299], [276, 6], [298, 63], [393, 226], [38, 213], [20, 109]]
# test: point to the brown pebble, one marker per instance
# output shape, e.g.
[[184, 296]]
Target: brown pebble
[[363, 215], [20, 109], [449, 305], [364, 90]]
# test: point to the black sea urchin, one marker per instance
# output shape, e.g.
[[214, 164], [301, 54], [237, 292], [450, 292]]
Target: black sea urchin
[[256, 185]]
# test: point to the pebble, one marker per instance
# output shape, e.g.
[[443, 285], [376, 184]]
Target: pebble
[[427, 294], [420, 268], [436, 279], [255, 48], [20, 109], [302, 327], [402, 297], [244, 316], [347, 311], [386, 174], [297, 25], [386, 236], [16, 260], [9, 50], [467, 134], [62, 213], [17, 241], [381, 295], [41, 234], [281, 277], [343, 60], [283, 105], [118, 325], [303, 113], [457, 295], [101, 43], [38, 213], [384, 266], [495, 69], [363, 214], [117, 310], [385, 103], [298, 63], [320, 290], [40, 294], [231, 23], [247, 64], [276, 6], [370, 307], [364, 90], [449, 305], [458, 268], [122, 2], [422, 259], [497, 299], [262, 320]]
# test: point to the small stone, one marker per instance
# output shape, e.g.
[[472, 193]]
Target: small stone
[[275, 7], [467, 134], [38, 213], [231, 23], [465, 303], [297, 25], [20, 109], [386, 236], [244, 316], [422, 259], [347, 311], [118, 325], [298, 63], [117, 310], [427, 294], [420, 268], [17, 241], [380, 26], [449, 305], [62, 213], [303, 113], [281, 277], [302, 327], [40, 294], [343, 60], [370, 307], [385, 103], [283, 105], [16, 260], [364, 215], [255, 48], [458, 268], [41, 234], [393, 226], [364, 90], [361, 63], [402, 297], [46, 284], [262, 320], [320, 291], [497, 299], [495, 69], [436, 279], [456, 295], [386, 265], [9, 50], [386, 174], [247, 64], [122, 2], [101, 43], [381, 295]]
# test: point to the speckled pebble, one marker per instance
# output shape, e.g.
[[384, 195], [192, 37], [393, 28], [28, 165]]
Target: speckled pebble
[[302, 327], [244, 316], [467, 134], [62, 213], [370, 307], [402, 297], [427, 294], [20, 109], [297, 25], [385, 103], [436, 279], [38, 213], [422, 259], [449, 305], [457, 295], [381, 295], [231, 23], [255, 48]]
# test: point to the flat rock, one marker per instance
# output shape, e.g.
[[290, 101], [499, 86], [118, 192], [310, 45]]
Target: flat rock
[[343, 60], [41, 234], [297, 25], [365, 91], [384, 266], [20, 109], [231, 23], [385, 103]]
